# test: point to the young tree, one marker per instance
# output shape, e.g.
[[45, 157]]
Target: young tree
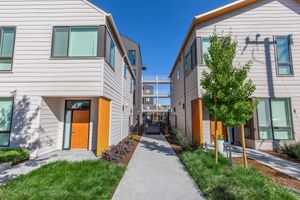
[[226, 90]]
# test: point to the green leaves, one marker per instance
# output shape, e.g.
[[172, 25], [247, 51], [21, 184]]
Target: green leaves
[[226, 90]]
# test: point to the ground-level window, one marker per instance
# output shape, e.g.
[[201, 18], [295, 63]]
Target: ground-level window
[[7, 41], [6, 110], [275, 119]]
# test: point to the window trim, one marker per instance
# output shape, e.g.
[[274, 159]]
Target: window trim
[[11, 120], [289, 37], [52, 57], [269, 99], [13, 50]]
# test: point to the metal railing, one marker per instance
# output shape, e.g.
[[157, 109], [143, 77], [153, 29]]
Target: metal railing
[[154, 79]]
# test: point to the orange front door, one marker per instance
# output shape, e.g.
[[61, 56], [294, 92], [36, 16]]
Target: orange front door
[[80, 129], [197, 118]]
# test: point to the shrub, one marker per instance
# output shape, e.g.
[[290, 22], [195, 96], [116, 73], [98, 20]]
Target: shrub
[[14, 155], [115, 153], [292, 150], [181, 139]]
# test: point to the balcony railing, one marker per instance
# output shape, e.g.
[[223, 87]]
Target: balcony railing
[[156, 79], [156, 108]]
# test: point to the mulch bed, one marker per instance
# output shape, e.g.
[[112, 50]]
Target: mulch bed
[[134, 142], [272, 174], [175, 146], [283, 156]]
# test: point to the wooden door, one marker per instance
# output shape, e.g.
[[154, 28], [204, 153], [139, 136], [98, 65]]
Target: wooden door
[[197, 118], [80, 129]]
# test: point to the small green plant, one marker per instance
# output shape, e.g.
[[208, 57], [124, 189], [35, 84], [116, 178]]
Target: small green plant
[[14, 155], [181, 139], [220, 137], [291, 150]]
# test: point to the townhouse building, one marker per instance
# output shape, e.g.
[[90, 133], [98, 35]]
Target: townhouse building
[[268, 33], [66, 81]]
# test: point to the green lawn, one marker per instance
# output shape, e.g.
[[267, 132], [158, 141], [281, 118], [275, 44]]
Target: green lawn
[[64, 180], [223, 182]]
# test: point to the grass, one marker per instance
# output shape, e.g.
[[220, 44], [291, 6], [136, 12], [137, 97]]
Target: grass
[[224, 182], [14, 155], [292, 150], [64, 180]]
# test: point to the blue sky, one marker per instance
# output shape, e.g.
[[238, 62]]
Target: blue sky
[[158, 25]]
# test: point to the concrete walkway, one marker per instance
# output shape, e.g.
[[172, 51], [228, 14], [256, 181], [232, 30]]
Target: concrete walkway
[[31, 165], [155, 172], [287, 167]]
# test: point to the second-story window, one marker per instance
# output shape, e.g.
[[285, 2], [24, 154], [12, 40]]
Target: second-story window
[[283, 55], [205, 45], [110, 50], [7, 40], [178, 74], [191, 59], [131, 85], [75, 42], [125, 71], [132, 56]]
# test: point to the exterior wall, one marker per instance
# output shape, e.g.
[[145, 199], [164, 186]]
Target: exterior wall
[[132, 45], [254, 28], [34, 72]]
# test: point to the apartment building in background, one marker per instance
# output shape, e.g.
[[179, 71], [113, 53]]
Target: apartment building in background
[[268, 33], [66, 81]]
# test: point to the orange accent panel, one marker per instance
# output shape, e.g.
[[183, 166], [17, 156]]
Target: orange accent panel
[[103, 125], [80, 129], [197, 122], [221, 130]]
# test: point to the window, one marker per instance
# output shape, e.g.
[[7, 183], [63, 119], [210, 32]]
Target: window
[[132, 56], [178, 74], [6, 109], [283, 54], [191, 59], [205, 46], [147, 100], [125, 71], [75, 42], [110, 51], [275, 119], [7, 40]]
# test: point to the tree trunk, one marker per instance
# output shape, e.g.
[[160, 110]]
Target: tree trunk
[[216, 141], [244, 147]]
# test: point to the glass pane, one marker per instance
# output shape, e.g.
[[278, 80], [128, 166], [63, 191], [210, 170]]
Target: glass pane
[[264, 112], [247, 132], [284, 69], [83, 42], [61, 39], [5, 65], [112, 54], [178, 74], [78, 105], [4, 140], [265, 133], [67, 129], [5, 113], [7, 42], [283, 54], [205, 46], [281, 116], [125, 71], [132, 56], [107, 50], [283, 134]]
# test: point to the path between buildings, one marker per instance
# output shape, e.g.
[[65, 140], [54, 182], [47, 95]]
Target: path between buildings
[[287, 167], [155, 172], [34, 164]]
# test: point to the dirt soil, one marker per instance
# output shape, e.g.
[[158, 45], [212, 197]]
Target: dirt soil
[[134, 142], [272, 174], [175, 146], [283, 156]]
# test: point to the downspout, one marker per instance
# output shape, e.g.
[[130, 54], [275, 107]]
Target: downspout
[[184, 93]]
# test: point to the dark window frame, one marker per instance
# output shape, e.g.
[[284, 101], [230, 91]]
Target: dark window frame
[[128, 52], [69, 31], [192, 52], [11, 119], [289, 38], [106, 58], [13, 50], [271, 119]]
